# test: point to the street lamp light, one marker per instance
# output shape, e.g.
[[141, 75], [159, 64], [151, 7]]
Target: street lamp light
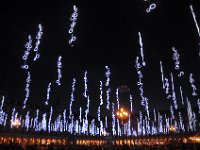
[[16, 123], [123, 116]]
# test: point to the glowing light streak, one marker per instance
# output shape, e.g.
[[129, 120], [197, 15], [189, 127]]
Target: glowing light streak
[[108, 98], [131, 102], [48, 93], [72, 97], [198, 103], [80, 115], [197, 26], [160, 123], [154, 114], [162, 74], [64, 119], [113, 119], [101, 93], [173, 93], [2, 113], [28, 47], [59, 66], [176, 57], [181, 122], [107, 74], [38, 37], [2, 102], [117, 97], [192, 81], [50, 117], [99, 113], [44, 122], [73, 19], [190, 115], [106, 122], [195, 20], [27, 90], [172, 112], [27, 121], [181, 95], [35, 121], [85, 83], [141, 49]]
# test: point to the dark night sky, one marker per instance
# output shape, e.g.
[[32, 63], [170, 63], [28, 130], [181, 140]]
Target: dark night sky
[[106, 35]]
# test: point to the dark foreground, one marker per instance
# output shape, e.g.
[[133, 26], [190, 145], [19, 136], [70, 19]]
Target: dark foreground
[[182, 146]]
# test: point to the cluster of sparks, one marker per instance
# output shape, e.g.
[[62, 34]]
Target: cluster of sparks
[[73, 19]]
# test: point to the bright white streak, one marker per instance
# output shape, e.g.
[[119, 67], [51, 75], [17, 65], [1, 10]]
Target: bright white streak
[[80, 115], [192, 81], [107, 74], [72, 97], [141, 49], [2, 102], [162, 75], [176, 57], [195, 20], [49, 122], [173, 93], [131, 102], [181, 95], [48, 93], [108, 98], [59, 66], [85, 83], [197, 26], [27, 90], [101, 93], [117, 96], [38, 37]]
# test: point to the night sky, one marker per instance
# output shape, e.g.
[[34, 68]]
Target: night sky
[[107, 34]]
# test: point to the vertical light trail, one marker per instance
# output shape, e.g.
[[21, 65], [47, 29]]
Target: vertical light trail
[[131, 102], [59, 66], [195, 20], [27, 89], [192, 81], [50, 117], [117, 97], [48, 93], [181, 95], [28, 47], [72, 98], [101, 93], [197, 26], [107, 75], [173, 93], [162, 74], [85, 83], [141, 49], [38, 37], [73, 20]]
